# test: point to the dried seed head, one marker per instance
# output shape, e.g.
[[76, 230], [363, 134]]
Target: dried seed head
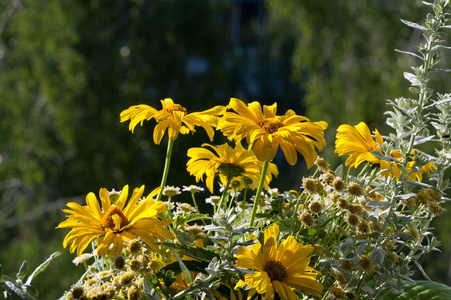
[[424, 197], [134, 246], [119, 262], [352, 219], [346, 264], [339, 184], [334, 197], [154, 265], [355, 189], [350, 295], [355, 209], [312, 185], [365, 263], [126, 278], [340, 278], [135, 265], [89, 282], [342, 203], [411, 202], [328, 178], [389, 244], [322, 164], [435, 208], [367, 191], [363, 227], [78, 292], [315, 207], [133, 293], [337, 292], [307, 219], [436, 196]]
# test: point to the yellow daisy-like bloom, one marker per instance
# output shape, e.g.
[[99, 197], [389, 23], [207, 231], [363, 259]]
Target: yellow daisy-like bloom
[[357, 142], [174, 118], [417, 175], [237, 163], [266, 131], [278, 269], [115, 223]]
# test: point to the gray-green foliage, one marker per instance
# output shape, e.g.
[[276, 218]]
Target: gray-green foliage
[[21, 288], [342, 54]]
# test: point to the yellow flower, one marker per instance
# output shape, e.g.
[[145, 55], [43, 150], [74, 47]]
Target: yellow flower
[[238, 163], [394, 166], [357, 142], [114, 223], [266, 131], [174, 118], [278, 269]]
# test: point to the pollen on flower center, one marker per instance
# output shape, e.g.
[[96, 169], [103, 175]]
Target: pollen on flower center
[[271, 126], [107, 220], [176, 107], [230, 169], [275, 270]]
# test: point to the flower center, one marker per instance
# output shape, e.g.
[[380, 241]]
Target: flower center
[[176, 107], [230, 169], [114, 219], [275, 270], [271, 126]]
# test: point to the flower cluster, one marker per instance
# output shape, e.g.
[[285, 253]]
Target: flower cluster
[[341, 235]]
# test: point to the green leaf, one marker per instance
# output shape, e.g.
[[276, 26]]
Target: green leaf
[[22, 271], [423, 290], [192, 265], [409, 53], [195, 217], [184, 237], [198, 253], [42, 267], [149, 291], [13, 292], [414, 25], [183, 267]]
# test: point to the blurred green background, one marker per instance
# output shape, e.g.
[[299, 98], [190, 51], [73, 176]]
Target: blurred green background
[[68, 68]]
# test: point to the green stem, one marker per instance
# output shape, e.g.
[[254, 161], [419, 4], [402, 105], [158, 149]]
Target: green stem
[[169, 208], [224, 193], [166, 168], [298, 201], [195, 205], [259, 191]]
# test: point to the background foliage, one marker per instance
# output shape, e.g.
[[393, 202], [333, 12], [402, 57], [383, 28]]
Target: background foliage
[[68, 68]]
